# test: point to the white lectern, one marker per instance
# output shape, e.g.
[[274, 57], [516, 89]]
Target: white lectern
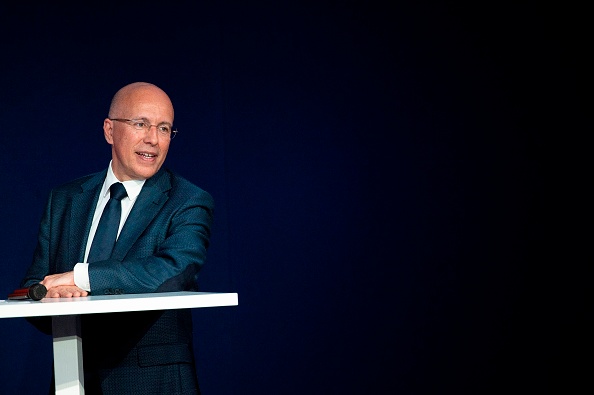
[[65, 313]]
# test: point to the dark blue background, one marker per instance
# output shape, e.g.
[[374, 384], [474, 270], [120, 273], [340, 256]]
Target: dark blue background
[[387, 181]]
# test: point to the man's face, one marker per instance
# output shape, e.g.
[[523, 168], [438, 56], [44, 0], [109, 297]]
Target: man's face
[[138, 154]]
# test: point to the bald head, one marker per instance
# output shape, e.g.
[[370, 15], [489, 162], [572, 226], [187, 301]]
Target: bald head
[[138, 152], [126, 96]]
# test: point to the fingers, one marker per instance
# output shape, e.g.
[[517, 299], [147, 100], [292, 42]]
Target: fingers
[[62, 285], [66, 291]]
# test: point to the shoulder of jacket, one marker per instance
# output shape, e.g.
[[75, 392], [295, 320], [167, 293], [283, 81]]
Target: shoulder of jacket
[[186, 187], [77, 184]]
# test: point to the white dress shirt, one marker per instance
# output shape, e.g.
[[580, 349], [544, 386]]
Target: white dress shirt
[[133, 187]]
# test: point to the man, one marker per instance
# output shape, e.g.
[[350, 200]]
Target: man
[[164, 233]]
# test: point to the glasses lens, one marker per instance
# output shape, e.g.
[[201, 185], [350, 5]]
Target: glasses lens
[[164, 129]]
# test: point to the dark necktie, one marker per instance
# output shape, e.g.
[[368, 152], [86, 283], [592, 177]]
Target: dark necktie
[[107, 230]]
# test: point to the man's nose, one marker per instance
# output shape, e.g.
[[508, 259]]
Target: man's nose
[[150, 136]]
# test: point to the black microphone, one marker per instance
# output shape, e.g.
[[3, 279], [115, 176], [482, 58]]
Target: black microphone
[[34, 292]]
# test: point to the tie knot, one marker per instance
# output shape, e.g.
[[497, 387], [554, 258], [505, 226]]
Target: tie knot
[[117, 191]]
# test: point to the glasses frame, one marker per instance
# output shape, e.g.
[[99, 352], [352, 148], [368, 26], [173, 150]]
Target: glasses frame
[[131, 122]]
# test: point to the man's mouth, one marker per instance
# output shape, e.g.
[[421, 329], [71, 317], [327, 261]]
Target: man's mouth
[[146, 155]]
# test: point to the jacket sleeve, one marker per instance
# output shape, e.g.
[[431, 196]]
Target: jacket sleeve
[[40, 267]]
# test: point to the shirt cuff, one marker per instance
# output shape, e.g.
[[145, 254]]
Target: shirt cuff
[[81, 276]]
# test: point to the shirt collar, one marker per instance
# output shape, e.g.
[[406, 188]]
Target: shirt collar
[[133, 187]]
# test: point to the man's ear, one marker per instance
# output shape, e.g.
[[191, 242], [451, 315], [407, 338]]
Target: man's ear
[[108, 130]]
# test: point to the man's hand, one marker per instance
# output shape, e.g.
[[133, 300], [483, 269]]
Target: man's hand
[[65, 291], [62, 285]]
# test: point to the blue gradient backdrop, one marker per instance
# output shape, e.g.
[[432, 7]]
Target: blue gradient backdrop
[[383, 178]]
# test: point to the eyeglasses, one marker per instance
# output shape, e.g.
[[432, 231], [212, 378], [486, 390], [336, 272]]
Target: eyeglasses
[[164, 129]]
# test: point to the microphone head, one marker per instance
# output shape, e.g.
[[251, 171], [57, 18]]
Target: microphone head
[[37, 291]]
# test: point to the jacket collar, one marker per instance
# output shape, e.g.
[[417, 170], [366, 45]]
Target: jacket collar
[[152, 197]]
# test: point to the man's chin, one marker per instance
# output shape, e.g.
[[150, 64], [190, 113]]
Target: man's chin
[[140, 173]]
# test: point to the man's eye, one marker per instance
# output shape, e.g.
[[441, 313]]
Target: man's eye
[[139, 124], [164, 129]]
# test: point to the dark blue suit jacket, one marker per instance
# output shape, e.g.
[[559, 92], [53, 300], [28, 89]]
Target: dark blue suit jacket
[[160, 249]]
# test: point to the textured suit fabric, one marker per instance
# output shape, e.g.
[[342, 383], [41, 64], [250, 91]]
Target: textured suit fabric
[[161, 248]]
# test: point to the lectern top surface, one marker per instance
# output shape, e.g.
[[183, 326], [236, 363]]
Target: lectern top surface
[[115, 303]]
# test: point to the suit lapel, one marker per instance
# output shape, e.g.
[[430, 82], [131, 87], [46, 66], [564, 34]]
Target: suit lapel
[[148, 204], [81, 216]]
